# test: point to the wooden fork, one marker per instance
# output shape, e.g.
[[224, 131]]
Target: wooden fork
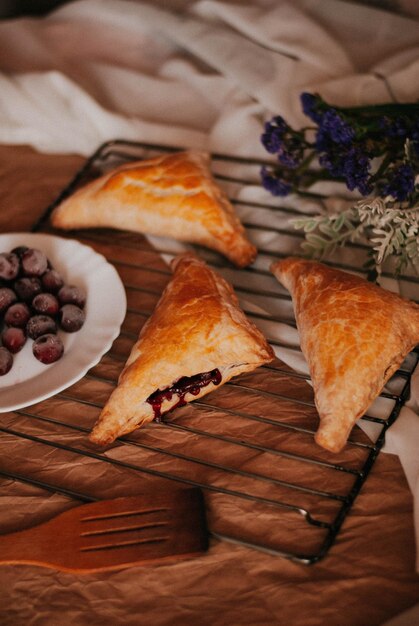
[[113, 534]]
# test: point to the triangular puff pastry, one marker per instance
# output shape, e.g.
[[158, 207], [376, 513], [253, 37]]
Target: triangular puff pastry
[[173, 195], [197, 339], [353, 334]]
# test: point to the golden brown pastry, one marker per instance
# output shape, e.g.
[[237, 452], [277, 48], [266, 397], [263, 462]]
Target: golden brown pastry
[[353, 334], [173, 195], [197, 339]]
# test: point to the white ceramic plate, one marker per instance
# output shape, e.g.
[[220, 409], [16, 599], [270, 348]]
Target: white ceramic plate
[[30, 381]]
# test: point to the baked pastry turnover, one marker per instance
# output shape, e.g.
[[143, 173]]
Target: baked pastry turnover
[[354, 336], [196, 340], [173, 195]]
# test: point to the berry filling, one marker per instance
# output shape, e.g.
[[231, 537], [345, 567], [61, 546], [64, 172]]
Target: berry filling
[[186, 384]]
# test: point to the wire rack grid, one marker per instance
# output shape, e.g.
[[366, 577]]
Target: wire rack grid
[[249, 446]]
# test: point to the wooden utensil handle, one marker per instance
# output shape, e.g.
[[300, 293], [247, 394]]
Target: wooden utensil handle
[[24, 546]]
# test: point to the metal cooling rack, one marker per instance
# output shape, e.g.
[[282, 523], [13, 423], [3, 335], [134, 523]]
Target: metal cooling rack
[[313, 492]]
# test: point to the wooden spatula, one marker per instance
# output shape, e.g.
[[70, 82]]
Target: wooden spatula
[[112, 534]]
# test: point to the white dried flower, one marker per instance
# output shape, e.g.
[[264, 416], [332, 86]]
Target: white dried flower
[[391, 228]]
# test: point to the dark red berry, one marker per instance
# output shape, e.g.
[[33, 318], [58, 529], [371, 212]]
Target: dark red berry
[[52, 281], [6, 361], [48, 349], [27, 288], [17, 314], [45, 303], [71, 318], [19, 251], [40, 325], [70, 294], [34, 262], [7, 297], [9, 266], [14, 339]]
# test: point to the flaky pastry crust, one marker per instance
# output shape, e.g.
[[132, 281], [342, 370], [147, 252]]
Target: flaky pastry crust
[[197, 326], [173, 195], [354, 336]]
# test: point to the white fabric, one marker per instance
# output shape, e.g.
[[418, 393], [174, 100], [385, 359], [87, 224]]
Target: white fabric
[[207, 76]]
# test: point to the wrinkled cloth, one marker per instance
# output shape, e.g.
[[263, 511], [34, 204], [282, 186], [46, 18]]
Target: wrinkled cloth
[[206, 76]]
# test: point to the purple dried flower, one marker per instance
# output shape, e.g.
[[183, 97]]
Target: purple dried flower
[[311, 106], [333, 125], [356, 170], [401, 182], [273, 136], [280, 139], [397, 127], [273, 184], [350, 163]]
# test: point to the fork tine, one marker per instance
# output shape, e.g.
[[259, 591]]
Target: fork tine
[[119, 529], [125, 543], [129, 519], [123, 513], [124, 534]]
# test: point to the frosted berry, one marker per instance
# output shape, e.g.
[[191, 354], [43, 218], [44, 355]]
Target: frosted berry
[[34, 262], [45, 303], [17, 314], [71, 318], [27, 288], [14, 339], [9, 266], [6, 361], [70, 294], [7, 297], [40, 325], [52, 281], [19, 251], [48, 348]]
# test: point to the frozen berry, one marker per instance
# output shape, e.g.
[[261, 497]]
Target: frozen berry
[[71, 318], [19, 251], [48, 349], [13, 339], [45, 303], [70, 294], [34, 262], [27, 288], [17, 314], [6, 361], [9, 266], [7, 297], [52, 281], [40, 325]]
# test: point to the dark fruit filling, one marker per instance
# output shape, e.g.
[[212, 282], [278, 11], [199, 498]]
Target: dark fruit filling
[[186, 384]]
